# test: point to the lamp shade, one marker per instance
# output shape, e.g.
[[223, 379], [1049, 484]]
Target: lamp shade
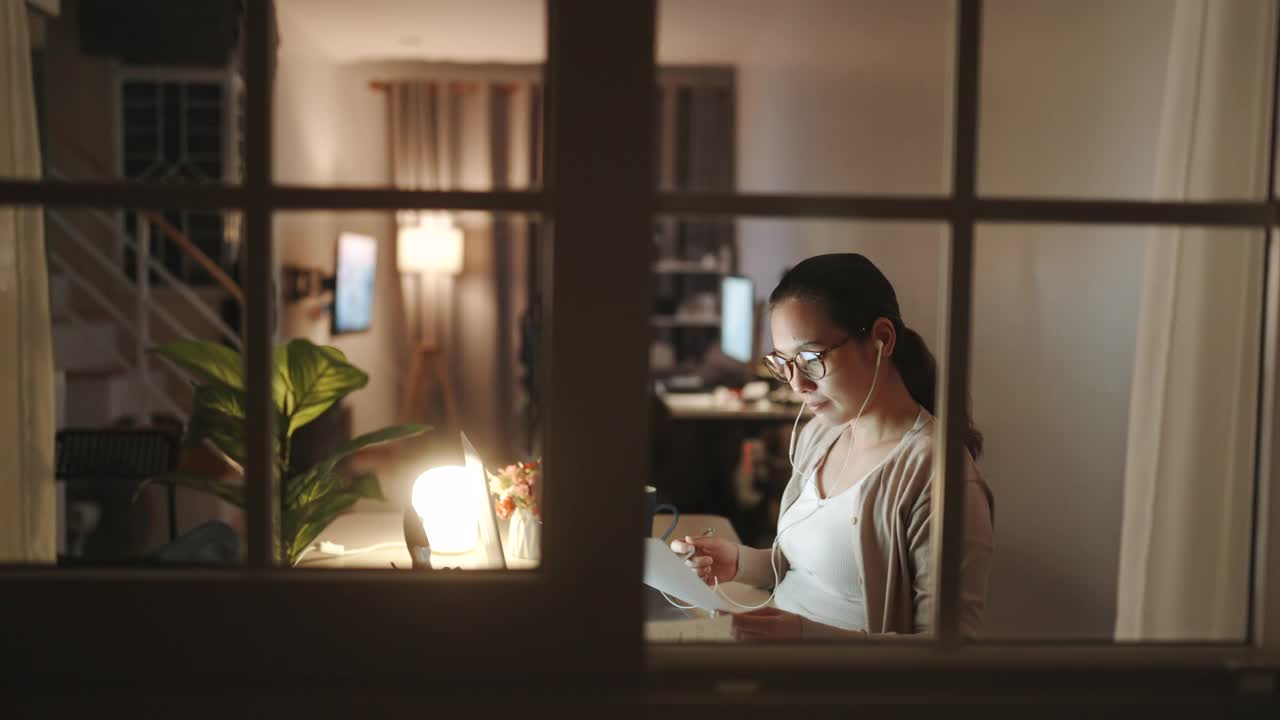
[[433, 244], [445, 500]]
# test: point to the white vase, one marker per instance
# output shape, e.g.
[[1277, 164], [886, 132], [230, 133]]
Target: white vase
[[524, 536]]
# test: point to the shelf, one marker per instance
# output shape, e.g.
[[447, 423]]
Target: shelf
[[684, 267], [685, 321]]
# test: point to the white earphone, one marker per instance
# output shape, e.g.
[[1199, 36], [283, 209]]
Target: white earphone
[[791, 450], [773, 550]]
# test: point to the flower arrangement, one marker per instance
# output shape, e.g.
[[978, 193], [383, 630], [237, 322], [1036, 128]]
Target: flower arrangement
[[515, 487]]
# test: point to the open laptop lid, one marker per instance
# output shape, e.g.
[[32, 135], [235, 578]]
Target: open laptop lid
[[490, 555]]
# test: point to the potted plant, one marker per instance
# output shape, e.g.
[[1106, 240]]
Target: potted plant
[[308, 380]]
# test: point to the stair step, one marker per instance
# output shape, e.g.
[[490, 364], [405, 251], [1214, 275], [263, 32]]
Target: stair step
[[84, 347], [59, 295]]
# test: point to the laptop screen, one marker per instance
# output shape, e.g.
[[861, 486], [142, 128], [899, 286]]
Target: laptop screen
[[490, 554]]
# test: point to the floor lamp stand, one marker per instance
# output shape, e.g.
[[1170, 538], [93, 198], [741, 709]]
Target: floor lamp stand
[[429, 367]]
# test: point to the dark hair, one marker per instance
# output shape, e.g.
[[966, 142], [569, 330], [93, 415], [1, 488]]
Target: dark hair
[[854, 294]]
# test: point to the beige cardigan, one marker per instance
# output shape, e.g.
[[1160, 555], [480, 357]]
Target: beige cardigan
[[891, 534]]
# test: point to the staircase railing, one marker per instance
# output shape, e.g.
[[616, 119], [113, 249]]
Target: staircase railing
[[98, 171], [181, 288], [143, 292], [139, 327], [107, 306]]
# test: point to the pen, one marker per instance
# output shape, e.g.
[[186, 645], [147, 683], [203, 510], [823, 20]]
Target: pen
[[705, 533]]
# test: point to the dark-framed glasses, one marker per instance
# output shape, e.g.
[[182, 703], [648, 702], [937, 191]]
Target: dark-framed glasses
[[811, 363]]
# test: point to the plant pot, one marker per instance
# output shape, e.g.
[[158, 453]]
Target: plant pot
[[524, 536]]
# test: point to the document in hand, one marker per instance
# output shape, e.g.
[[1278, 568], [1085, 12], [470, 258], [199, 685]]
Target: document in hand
[[665, 571]]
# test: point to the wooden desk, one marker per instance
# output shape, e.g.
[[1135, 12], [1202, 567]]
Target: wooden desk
[[704, 406], [384, 530], [697, 450]]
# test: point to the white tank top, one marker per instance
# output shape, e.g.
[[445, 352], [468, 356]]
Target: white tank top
[[825, 577], [815, 534]]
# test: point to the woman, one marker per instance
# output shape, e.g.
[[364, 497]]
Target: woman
[[853, 553]]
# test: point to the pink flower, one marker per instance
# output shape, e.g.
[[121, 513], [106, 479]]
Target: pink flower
[[514, 487], [505, 508]]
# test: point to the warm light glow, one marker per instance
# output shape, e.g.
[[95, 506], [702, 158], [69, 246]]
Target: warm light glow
[[433, 245], [444, 500]]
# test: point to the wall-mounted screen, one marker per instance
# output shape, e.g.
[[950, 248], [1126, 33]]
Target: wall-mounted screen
[[353, 283]]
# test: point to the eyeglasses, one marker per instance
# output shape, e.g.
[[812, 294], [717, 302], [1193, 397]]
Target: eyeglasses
[[810, 363]]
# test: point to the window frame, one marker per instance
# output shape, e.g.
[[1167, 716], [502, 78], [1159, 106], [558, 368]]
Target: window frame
[[600, 65]]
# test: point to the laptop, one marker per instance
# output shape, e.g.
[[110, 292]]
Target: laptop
[[490, 555]]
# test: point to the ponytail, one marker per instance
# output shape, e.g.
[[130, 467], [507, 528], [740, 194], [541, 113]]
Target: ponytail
[[919, 372]]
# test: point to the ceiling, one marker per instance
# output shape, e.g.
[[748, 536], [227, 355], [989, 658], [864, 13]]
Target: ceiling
[[690, 31]]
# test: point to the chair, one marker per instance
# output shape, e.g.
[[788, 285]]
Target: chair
[[104, 468]]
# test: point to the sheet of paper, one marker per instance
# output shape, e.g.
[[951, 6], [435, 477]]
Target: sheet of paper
[[666, 571]]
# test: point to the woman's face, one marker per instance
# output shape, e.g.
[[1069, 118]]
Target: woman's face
[[803, 325]]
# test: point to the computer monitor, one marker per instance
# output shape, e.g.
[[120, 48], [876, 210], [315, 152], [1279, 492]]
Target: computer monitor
[[353, 283], [737, 318], [490, 553]]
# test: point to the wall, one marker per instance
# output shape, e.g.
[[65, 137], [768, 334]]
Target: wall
[[829, 105], [1070, 105], [322, 137]]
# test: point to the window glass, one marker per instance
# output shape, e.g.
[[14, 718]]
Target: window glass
[[1115, 378], [818, 96], [1143, 100], [149, 94], [722, 425], [423, 96], [103, 401], [432, 320]]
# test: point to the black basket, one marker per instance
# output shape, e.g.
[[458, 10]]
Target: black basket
[[113, 462]]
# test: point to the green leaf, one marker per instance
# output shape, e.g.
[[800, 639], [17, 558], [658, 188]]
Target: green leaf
[[307, 485], [365, 485], [387, 434], [306, 521], [209, 361], [281, 388], [219, 399], [317, 378], [312, 520], [227, 433], [218, 414], [229, 492]]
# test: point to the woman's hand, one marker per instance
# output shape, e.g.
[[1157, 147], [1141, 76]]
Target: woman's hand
[[766, 624], [713, 558]]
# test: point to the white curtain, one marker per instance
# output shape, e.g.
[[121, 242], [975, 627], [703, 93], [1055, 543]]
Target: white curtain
[[27, 496], [1184, 553]]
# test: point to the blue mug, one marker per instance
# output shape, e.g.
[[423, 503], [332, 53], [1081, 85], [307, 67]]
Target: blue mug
[[651, 502]]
